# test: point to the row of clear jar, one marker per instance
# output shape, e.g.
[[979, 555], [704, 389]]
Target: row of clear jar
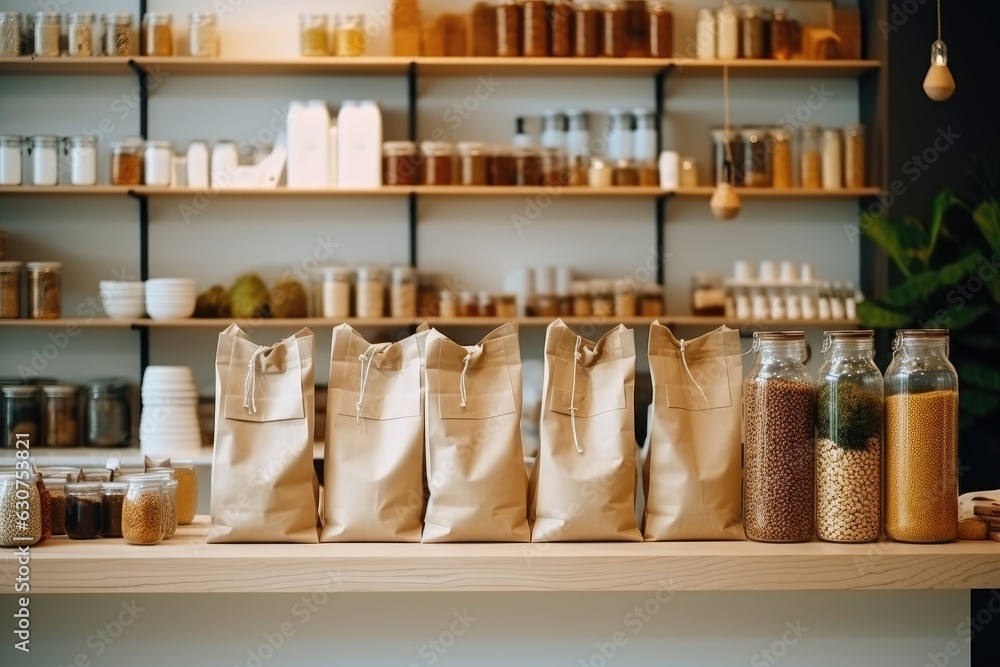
[[142, 508], [74, 164], [367, 291], [815, 456], [349, 37], [44, 290], [747, 32], [829, 159], [51, 34]]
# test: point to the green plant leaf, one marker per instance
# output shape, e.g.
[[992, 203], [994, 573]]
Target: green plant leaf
[[987, 218], [885, 233], [978, 402], [952, 274], [942, 203], [876, 316], [956, 318], [979, 375], [985, 174], [914, 290]]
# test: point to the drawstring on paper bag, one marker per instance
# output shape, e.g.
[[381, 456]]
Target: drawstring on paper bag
[[690, 375], [250, 385], [572, 395], [365, 358], [461, 381]]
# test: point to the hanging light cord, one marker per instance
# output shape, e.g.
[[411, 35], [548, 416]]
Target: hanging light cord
[[725, 122], [939, 19]]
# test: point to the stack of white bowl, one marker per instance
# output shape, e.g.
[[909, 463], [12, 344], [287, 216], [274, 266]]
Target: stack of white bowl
[[168, 426], [170, 298], [123, 300]]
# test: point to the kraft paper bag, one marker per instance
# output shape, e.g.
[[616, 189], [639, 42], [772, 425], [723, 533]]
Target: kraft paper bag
[[583, 486], [374, 465], [475, 464], [692, 463], [264, 486]]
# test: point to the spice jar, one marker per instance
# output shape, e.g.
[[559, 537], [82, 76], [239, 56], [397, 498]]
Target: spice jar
[[562, 28], [536, 29], [484, 31], [614, 42], [754, 44], [727, 32], [61, 415], [921, 432], [22, 414], [370, 291], [474, 162], [438, 159], [84, 514], [10, 290], [600, 174], [661, 31], [10, 34], [625, 298], [112, 503], [509, 33], [117, 33], [312, 34], [529, 165], [349, 36], [486, 304], [708, 294], [126, 162], [781, 159], [56, 486], [157, 34], [580, 293], [849, 439], [186, 475], [588, 31], [47, 34], [10, 159], [80, 34], [625, 172], [832, 160], [448, 304], [503, 167], [19, 526], [44, 290], [602, 298], [720, 139], [203, 34], [506, 305], [812, 163], [428, 295], [636, 29], [544, 305], [143, 511], [82, 153], [468, 304], [854, 156], [651, 300], [705, 34], [44, 151], [756, 158], [334, 293], [779, 473], [403, 291], [157, 159], [108, 414], [554, 173], [781, 35], [400, 164]]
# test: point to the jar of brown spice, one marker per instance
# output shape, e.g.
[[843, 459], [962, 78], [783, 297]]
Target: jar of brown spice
[[562, 28], [10, 290], [474, 159], [536, 29], [615, 31], [400, 163], [438, 162], [126, 162], [44, 290], [587, 33], [509, 29], [157, 34]]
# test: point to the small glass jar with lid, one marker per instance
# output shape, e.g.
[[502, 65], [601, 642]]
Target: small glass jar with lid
[[810, 151], [468, 304], [143, 511], [503, 166], [587, 38], [403, 291], [108, 413], [334, 292], [56, 485], [582, 304], [203, 34], [80, 34], [84, 513], [506, 305], [43, 149], [854, 156], [651, 300], [44, 290], [554, 172], [349, 35], [779, 452], [510, 18], [438, 165], [126, 162], [756, 158], [10, 159], [487, 304], [529, 165], [754, 32], [10, 290], [781, 158], [448, 304], [544, 305], [61, 415], [781, 35], [614, 42], [82, 153], [117, 34], [921, 439], [112, 502], [474, 161], [400, 163], [186, 474], [536, 29], [849, 439], [313, 40], [17, 533], [157, 163], [720, 140], [625, 298], [22, 414], [47, 29], [625, 172], [168, 489], [428, 295], [370, 291], [602, 298], [708, 294], [661, 30], [10, 34], [562, 28]]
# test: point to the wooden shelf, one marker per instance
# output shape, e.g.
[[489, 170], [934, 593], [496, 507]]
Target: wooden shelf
[[63, 190], [97, 456], [68, 323], [186, 564], [791, 193]]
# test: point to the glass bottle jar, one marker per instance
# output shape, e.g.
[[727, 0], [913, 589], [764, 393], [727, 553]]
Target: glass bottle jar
[[400, 163], [708, 294], [84, 514], [22, 414], [705, 29], [506, 305], [921, 433], [529, 165], [126, 162], [403, 291], [854, 156], [779, 469], [580, 294], [756, 158], [661, 31], [468, 304], [10, 159], [108, 413], [186, 474], [57, 509], [10, 34], [811, 157], [438, 162], [849, 439], [28, 34], [637, 24], [486, 304], [536, 29], [349, 36], [602, 298], [370, 291], [157, 34], [554, 173], [44, 290], [117, 34], [448, 304], [509, 32], [781, 159], [47, 30], [112, 503], [10, 290], [781, 35], [44, 507], [474, 163], [753, 32], [720, 138], [19, 526], [80, 34], [203, 34], [651, 300], [832, 160], [143, 511], [625, 298], [614, 37], [334, 292], [44, 152], [313, 34], [157, 163], [483, 26], [82, 153], [428, 295], [587, 37], [168, 492], [562, 28], [61, 415], [503, 166]]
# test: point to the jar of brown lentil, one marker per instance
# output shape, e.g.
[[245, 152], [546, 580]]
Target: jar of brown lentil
[[509, 32], [554, 172], [779, 448], [854, 156], [487, 305], [474, 160], [157, 34], [536, 29], [44, 290], [661, 31], [587, 31], [143, 511], [117, 34], [756, 158], [781, 35], [468, 304], [781, 159], [921, 433], [562, 28], [580, 294], [126, 162], [79, 34], [625, 172], [614, 42], [651, 300], [529, 165], [10, 290], [57, 510], [438, 162], [400, 163], [428, 295], [503, 166]]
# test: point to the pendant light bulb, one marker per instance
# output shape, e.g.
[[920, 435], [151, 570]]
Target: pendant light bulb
[[725, 203], [939, 84]]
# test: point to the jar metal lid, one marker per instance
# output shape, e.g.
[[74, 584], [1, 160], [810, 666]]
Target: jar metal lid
[[80, 17], [473, 147], [117, 17], [44, 138], [114, 487], [108, 385], [20, 390], [83, 487], [8, 265], [61, 390], [780, 336], [437, 147], [853, 334], [602, 286], [390, 147], [47, 17], [11, 138], [44, 266], [923, 333], [81, 139], [10, 16], [402, 273]]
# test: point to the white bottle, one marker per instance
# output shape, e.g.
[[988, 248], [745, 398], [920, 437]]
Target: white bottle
[[644, 136], [157, 163], [359, 145], [832, 163], [670, 165], [728, 32], [308, 144], [197, 165], [553, 129], [620, 140], [577, 133], [704, 34], [225, 162]]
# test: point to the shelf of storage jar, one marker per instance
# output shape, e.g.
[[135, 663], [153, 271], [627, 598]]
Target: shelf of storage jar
[[63, 190], [186, 564], [67, 323], [790, 193], [95, 457]]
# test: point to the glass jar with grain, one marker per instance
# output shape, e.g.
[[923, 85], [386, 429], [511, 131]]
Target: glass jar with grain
[[370, 291], [157, 34], [403, 291], [781, 35], [117, 34], [143, 511], [126, 162], [781, 159], [349, 35], [651, 300], [10, 290], [57, 509], [10, 34], [602, 298], [44, 290], [22, 414], [203, 34], [614, 35], [833, 169], [11, 159], [61, 415], [587, 31], [721, 140], [313, 37], [448, 304], [536, 29], [474, 163], [756, 158], [112, 503], [921, 433], [626, 302], [19, 527], [333, 292], [468, 304], [108, 413], [428, 295], [47, 28], [80, 34], [661, 31], [554, 171], [779, 448], [438, 163], [186, 475], [506, 305], [562, 28], [509, 29], [754, 30], [400, 163], [854, 156], [810, 150]]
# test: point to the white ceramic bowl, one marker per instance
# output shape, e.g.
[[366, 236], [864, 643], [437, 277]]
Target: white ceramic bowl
[[170, 312]]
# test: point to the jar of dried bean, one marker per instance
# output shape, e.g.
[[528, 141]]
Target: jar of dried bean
[[157, 34], [203, 34], [661, 31], [349, 35], [143, 511], [126, 162], [61, 415], [117, 33], [400, 163], [44, 290], [47, 34], [10, 34], [168, 489], [536, 29], [10, 290], [781, 35], [562, 28], [80, 34], [474, 159], [587, 31], [20, 510], [84, 514], [921, 432], [849, 439], [810, 151], [509, 33], [614, 42], [854, 156], [438, 167], [22, 414], [44, 506], [651, 300], [112, 503], [779, 449]]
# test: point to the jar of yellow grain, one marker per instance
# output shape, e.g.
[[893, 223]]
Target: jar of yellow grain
[[921, 428]]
